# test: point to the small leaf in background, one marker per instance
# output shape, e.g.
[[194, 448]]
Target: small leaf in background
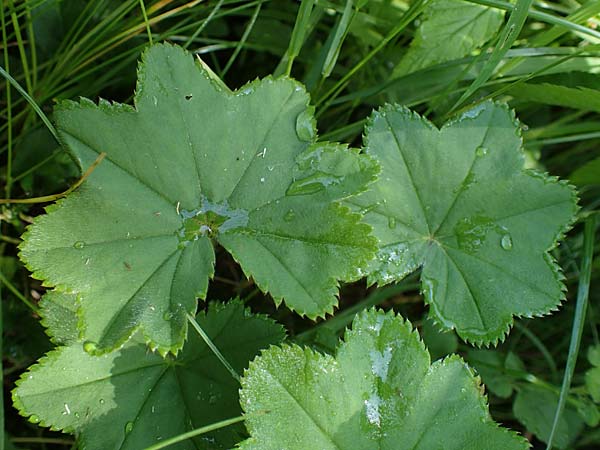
[[438, 343], [592, 376], [493, 367], [380, 391], [589, 173], [457, 202], [130, 399], [534, 407], [451, 29], [178, 178]]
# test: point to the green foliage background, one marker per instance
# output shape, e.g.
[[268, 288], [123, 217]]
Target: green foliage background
[[353, 56]]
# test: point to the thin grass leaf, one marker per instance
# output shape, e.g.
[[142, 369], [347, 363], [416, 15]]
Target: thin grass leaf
[[505, 40], [578, 320]]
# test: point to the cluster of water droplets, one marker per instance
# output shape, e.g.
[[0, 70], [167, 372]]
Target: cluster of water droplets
[[208, 220], [396, 261], [471, 233]]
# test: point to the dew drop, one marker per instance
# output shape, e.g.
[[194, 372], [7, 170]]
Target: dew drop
[[128, 427], [79, 245], [89, 346], [305, 127], [289, 216], [101, 401], [481, 151], [506, 242], [391, 222]]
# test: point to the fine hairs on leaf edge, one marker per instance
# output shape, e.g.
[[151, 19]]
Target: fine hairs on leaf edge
[[497, 336]]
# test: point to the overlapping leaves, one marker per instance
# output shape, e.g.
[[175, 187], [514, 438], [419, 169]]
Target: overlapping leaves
[[457, 202], [130, 399], [190, 165], [379, 392]]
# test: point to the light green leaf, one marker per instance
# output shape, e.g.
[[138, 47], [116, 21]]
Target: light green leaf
[[535, 407], [379, 392], [191, 165], [130, 399], [451, 29], [59, 315], [457, 202]]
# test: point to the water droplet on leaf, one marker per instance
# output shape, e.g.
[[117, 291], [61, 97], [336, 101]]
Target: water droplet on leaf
[[481, 151], [392, 222], [289, 216], [305, 127], [89, 346], [128, 427], [506, 242], [79, 245]]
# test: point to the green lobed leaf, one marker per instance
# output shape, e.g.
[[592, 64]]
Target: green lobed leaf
[[457, 202], [535, 407], [193, 164], [379, 392], [451, 29], [130, 399]]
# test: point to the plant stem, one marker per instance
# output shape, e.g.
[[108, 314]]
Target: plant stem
[[213, 347], [196, 432]]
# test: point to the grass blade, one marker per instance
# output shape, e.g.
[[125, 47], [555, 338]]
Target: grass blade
[[578, 320], [213, 347], [506, 39], [196, 432]]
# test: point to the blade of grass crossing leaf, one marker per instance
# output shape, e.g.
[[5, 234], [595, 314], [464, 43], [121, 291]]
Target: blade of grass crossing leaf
[[197, 432], [505, 41], [213, 347], [578, 320], [31, 101], [143, 7], [339, 34], [243, 39], [542, 17], [298, 33], [9, 130]]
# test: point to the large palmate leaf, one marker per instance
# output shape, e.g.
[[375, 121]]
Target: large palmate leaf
[[457, 202], [130, 399], [190, 165], [450, 30], [379, 392]]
